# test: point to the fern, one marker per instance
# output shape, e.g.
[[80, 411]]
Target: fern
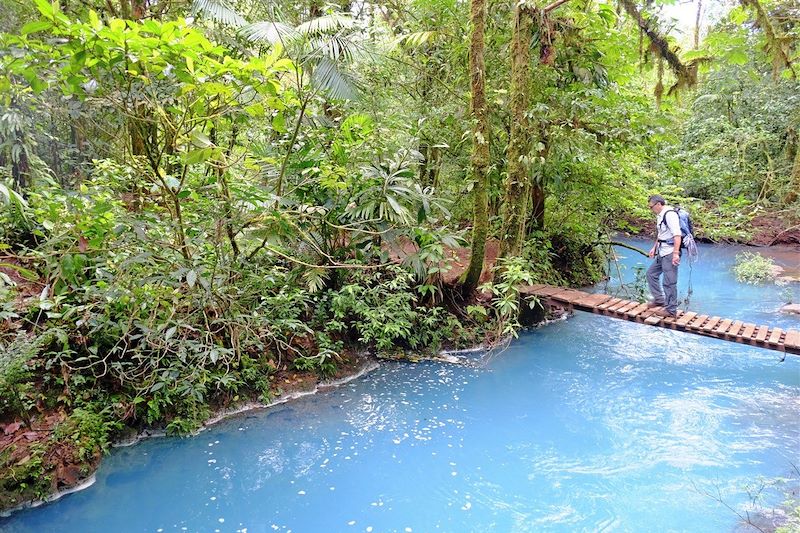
[[416, 39]]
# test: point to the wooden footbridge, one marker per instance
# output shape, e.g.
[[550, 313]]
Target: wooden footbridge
[[787, 341]]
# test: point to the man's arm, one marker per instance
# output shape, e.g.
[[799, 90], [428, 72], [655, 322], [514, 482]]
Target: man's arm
[[676, 252]]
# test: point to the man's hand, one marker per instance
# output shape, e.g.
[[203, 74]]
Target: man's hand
[[653, 251], [676, 259]]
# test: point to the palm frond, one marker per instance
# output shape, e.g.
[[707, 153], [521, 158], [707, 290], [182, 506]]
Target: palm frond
[[337, 47], [328, 77], [269, 32], [219, 11], [325, 24], [316, 279], [416, 39]]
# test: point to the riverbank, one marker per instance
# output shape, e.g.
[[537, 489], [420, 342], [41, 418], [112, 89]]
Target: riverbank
[[287, 387], [61, 463], [763, 230]]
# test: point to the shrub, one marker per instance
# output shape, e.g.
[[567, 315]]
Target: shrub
[[753, 268], [89, 429], [510, 274], [382, 310]]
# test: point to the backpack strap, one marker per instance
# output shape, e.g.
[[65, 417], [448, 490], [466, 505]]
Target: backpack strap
[[664, 222], [673, 210]]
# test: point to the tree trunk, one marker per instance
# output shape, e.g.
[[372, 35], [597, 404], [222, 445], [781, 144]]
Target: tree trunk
[[429, 166], [138, 9], [21, 167], [315, 9], [697, 24], [136, 135], [76, 138], [537, 206], [138, 125], [659, 90], [480, 146], [537, 193], [55, 153], [794, 179], [518, 181], [227, 201]]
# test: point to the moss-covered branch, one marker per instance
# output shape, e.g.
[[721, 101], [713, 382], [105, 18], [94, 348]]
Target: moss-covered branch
[[685, 73], [776, 44]]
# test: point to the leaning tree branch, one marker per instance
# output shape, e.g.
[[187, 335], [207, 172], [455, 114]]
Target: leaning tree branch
[[686, 74], [624, 245], [554, 5]]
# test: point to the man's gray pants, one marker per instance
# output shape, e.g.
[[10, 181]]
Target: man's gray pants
[[669, 297]]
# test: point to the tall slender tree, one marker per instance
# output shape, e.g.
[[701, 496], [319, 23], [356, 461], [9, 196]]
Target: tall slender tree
[[517, 182], [480, 145]]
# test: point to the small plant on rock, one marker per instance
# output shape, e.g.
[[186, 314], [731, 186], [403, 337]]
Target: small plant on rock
[[753, 268]]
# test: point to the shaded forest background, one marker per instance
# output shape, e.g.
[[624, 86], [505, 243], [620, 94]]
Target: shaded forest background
[[198, 197]]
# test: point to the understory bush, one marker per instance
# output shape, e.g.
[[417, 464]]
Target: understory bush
[[510, 274], [753, 268], [380, 310], [90, 429]]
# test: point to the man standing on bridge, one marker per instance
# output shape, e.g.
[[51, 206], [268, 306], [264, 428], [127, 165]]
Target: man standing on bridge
[[667, 254]]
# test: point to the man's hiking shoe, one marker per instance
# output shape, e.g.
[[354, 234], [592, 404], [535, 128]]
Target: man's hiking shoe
[[652, 304]]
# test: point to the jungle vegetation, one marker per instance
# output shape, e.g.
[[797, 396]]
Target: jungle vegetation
[[196, 196]]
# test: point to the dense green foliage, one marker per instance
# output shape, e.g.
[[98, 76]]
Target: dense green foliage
[[197, 199], [753, 268]]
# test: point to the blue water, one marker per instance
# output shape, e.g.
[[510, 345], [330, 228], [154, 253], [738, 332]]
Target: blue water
[[589, 424]]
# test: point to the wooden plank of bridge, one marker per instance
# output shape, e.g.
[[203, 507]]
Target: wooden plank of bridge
[[621, 303], [547, 290], [593, 300], [569, 296], [652, 317], [697, 321], [532, 290], [775, 337], [735, 329], [573, 296], [552, 292], [792, 341], [647, 314], [625, 308], [709, 326], [636, 311], [605, 305], [557, 292], [747, 332], [671, 321], [722, 327], [686, 318], [761, 335]]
